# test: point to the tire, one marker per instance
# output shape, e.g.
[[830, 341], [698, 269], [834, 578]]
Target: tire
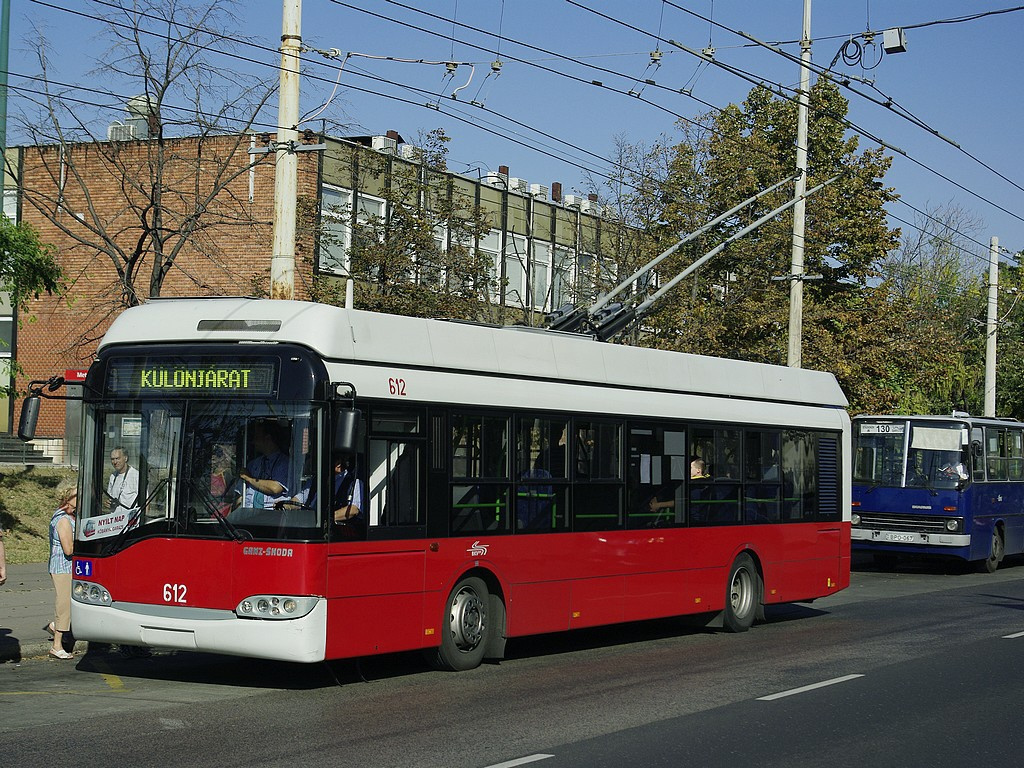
[[465, 627], [991, 563], [742, 595]]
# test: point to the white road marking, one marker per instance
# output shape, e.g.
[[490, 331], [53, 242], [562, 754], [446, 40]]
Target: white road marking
[[520, 761], [804, 689], [1014, 636]]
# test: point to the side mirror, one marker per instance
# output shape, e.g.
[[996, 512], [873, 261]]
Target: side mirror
[[346, 430], [29, 417], [976, 449]]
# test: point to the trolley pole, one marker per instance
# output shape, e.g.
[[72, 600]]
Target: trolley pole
[[282, 262], [796, 272], [990, 327]]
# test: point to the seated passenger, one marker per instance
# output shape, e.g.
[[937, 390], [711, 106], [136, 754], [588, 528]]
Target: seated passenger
[[347, 493], [698, 469]]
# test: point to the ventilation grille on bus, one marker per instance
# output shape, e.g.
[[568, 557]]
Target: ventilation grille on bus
[[251, 326], [828, 476]]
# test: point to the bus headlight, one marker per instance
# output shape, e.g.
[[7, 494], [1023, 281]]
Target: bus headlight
[[855, 518], [90, 592], [275, 607], [954, 524]]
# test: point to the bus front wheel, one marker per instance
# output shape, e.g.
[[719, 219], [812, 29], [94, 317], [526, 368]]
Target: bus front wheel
[[465, 628], [991, 563], [742, 595]]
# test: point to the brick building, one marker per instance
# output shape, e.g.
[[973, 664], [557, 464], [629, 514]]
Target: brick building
[[87, 199]]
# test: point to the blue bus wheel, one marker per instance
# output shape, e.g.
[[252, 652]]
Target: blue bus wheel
[[991, 563]]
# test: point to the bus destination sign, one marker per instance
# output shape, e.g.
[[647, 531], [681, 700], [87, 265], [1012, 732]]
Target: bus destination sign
[[149, 377]]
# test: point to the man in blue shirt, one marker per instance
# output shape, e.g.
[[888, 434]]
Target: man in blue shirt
[[265, 479], [346, 493]]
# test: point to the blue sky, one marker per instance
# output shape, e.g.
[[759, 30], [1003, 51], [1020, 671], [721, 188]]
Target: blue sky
[[960, 80]]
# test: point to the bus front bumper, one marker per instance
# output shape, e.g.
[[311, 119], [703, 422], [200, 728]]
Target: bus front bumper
[[912, 538], [203, 629]]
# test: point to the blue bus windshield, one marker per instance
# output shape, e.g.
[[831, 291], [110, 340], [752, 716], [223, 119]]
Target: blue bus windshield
[[910, 454]]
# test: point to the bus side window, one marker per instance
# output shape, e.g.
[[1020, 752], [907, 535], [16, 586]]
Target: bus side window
[[598, 488], [799, 476], [1015, 470], [480, 473], [762, 477], [540, 470], [995, 460], [393, 469]]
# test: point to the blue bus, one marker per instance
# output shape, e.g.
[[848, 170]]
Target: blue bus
[[938, 485]]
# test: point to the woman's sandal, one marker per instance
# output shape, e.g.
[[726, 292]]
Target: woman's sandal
[[50, 629], [61, 654]]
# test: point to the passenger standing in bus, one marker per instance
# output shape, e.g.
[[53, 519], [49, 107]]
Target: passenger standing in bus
[[265, 479], [62, 536], [221, 473], [123, 484]]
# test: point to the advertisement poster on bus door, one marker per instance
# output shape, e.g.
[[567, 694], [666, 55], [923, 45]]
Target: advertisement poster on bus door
[[105, 525]]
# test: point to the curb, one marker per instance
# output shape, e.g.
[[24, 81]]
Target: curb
[[34, 650]]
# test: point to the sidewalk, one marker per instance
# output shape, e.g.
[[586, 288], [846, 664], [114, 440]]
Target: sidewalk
[[26, 606]]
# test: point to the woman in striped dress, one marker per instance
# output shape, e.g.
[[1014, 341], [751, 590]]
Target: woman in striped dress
[[62, 536]]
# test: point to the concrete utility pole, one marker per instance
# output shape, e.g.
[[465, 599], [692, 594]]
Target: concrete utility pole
[[282, 262], [796, 272], [5, 42], [990, 327]]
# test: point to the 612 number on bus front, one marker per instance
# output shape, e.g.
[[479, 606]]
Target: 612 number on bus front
[[175, 593], [396, 386]]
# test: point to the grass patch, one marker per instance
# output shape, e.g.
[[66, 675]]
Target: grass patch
[[27, 500]]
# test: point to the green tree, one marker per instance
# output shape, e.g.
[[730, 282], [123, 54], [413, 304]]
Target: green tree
[[737, 305], [28, 266], [934, 284]]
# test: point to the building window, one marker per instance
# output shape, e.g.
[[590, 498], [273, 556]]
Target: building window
[[539, 274], [515, 270], [336, 229]]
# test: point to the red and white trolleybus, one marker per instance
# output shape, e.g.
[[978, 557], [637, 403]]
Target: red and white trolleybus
[[507, 482]]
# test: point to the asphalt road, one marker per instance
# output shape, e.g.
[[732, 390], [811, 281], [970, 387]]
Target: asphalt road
[[914, 667]]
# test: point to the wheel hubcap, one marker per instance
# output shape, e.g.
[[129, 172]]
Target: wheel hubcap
[[741, 592], [468, 619]]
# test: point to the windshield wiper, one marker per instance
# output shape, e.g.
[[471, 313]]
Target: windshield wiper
[[133, 519], [233, 531]]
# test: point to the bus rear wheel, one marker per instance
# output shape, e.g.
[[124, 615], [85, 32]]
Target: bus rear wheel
[[465, 629], [991, 563], [743, 593]]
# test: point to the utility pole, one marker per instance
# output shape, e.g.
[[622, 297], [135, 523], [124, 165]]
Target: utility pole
[[796, 272], [990, 327], [5, 43], [282, 262]]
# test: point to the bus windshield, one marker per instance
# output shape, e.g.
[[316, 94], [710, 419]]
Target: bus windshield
[[910, 454], [243, 468]]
